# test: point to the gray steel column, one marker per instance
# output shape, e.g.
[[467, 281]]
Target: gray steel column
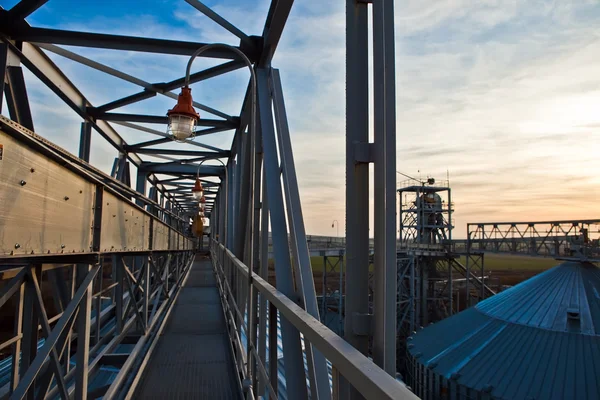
[[244, 181], [264, 273], [384, 335], [18, 330], [292, 351], [140, 185], [231, 166], [83, 335], [3, 64], [255, 256], [118, 278], [17, 99], [85, 141], [30, 325], [357, 180], [315, 360]]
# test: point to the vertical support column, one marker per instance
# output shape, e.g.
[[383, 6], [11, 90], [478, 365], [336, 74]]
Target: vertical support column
[[231, 171], [118, 277], [146, 265], [243, 196], [264, 273], [30, 325], [83, 335], [255, 254], [341, 295], [140, 185], [98, 307], [85, 141], [324, 294], [18, 330], [153, 194], [3, 64], [384, 335], [315, 360], [273, 356], [17, 99], [449, 261], [294, 364], [357, 182]]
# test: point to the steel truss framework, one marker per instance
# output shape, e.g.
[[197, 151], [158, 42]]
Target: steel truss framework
[[123, 257], [577, 239], [332, 304], [111, 271], [425, 262]]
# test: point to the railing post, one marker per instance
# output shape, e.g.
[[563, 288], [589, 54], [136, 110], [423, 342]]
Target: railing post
[[18, 330], [30, 325], [83, 335]]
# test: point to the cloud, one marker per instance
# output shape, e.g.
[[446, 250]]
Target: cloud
[[503, 94]]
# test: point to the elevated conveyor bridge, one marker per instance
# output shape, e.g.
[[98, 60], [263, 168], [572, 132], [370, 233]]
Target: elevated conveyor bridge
[[107, 291]]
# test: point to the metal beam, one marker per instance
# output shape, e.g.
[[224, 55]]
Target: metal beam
[[126, 77], [220, 20], [3, 64], [138, 146], [177, 83], [298, 233], [24, 8], [182, 169], [116, 42], [176, 152], [19, 103], [357, 319], [294, 366], [85, 141], [134, 98], [158, 119], [384, 106], [163, 134], [276, 19]]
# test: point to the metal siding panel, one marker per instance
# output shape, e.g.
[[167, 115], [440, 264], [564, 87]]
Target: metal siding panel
[[172, 239], [51, 213], [160, 236], [124, 227]]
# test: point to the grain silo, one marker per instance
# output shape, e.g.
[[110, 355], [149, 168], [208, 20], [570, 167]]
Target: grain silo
[[537, 340]]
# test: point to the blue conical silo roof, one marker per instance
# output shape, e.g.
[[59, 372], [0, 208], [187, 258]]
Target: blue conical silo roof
[[537, 340]]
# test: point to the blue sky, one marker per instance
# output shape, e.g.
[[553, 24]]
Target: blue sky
[[504, 94]]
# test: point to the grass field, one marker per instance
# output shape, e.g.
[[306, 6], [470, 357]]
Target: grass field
[[492, 262], [503, 270], [498, 262]]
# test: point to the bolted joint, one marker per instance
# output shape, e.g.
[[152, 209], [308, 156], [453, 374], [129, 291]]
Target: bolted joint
[[364, 152], [252, 51]]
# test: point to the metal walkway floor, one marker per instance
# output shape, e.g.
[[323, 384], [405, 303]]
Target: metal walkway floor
[[192, 359]]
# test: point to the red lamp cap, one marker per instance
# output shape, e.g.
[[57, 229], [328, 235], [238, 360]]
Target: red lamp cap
[[184, 104], [197, 186]]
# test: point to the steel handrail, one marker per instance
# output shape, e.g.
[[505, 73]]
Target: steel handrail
[[370, 380]]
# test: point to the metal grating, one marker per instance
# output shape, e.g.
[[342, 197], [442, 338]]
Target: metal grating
[[197, 319], [193, 358], [201, 279], [199, 295]]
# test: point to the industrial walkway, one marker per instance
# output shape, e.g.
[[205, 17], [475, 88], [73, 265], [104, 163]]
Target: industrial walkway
[[192, 359]]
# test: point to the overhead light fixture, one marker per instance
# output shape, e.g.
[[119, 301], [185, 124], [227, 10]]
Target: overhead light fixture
[[198, 190], [183, 117]]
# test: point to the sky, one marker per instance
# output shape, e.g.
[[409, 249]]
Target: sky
[[502, 96]]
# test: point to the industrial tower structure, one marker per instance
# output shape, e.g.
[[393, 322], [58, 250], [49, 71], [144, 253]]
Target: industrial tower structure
[[424, 254]]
